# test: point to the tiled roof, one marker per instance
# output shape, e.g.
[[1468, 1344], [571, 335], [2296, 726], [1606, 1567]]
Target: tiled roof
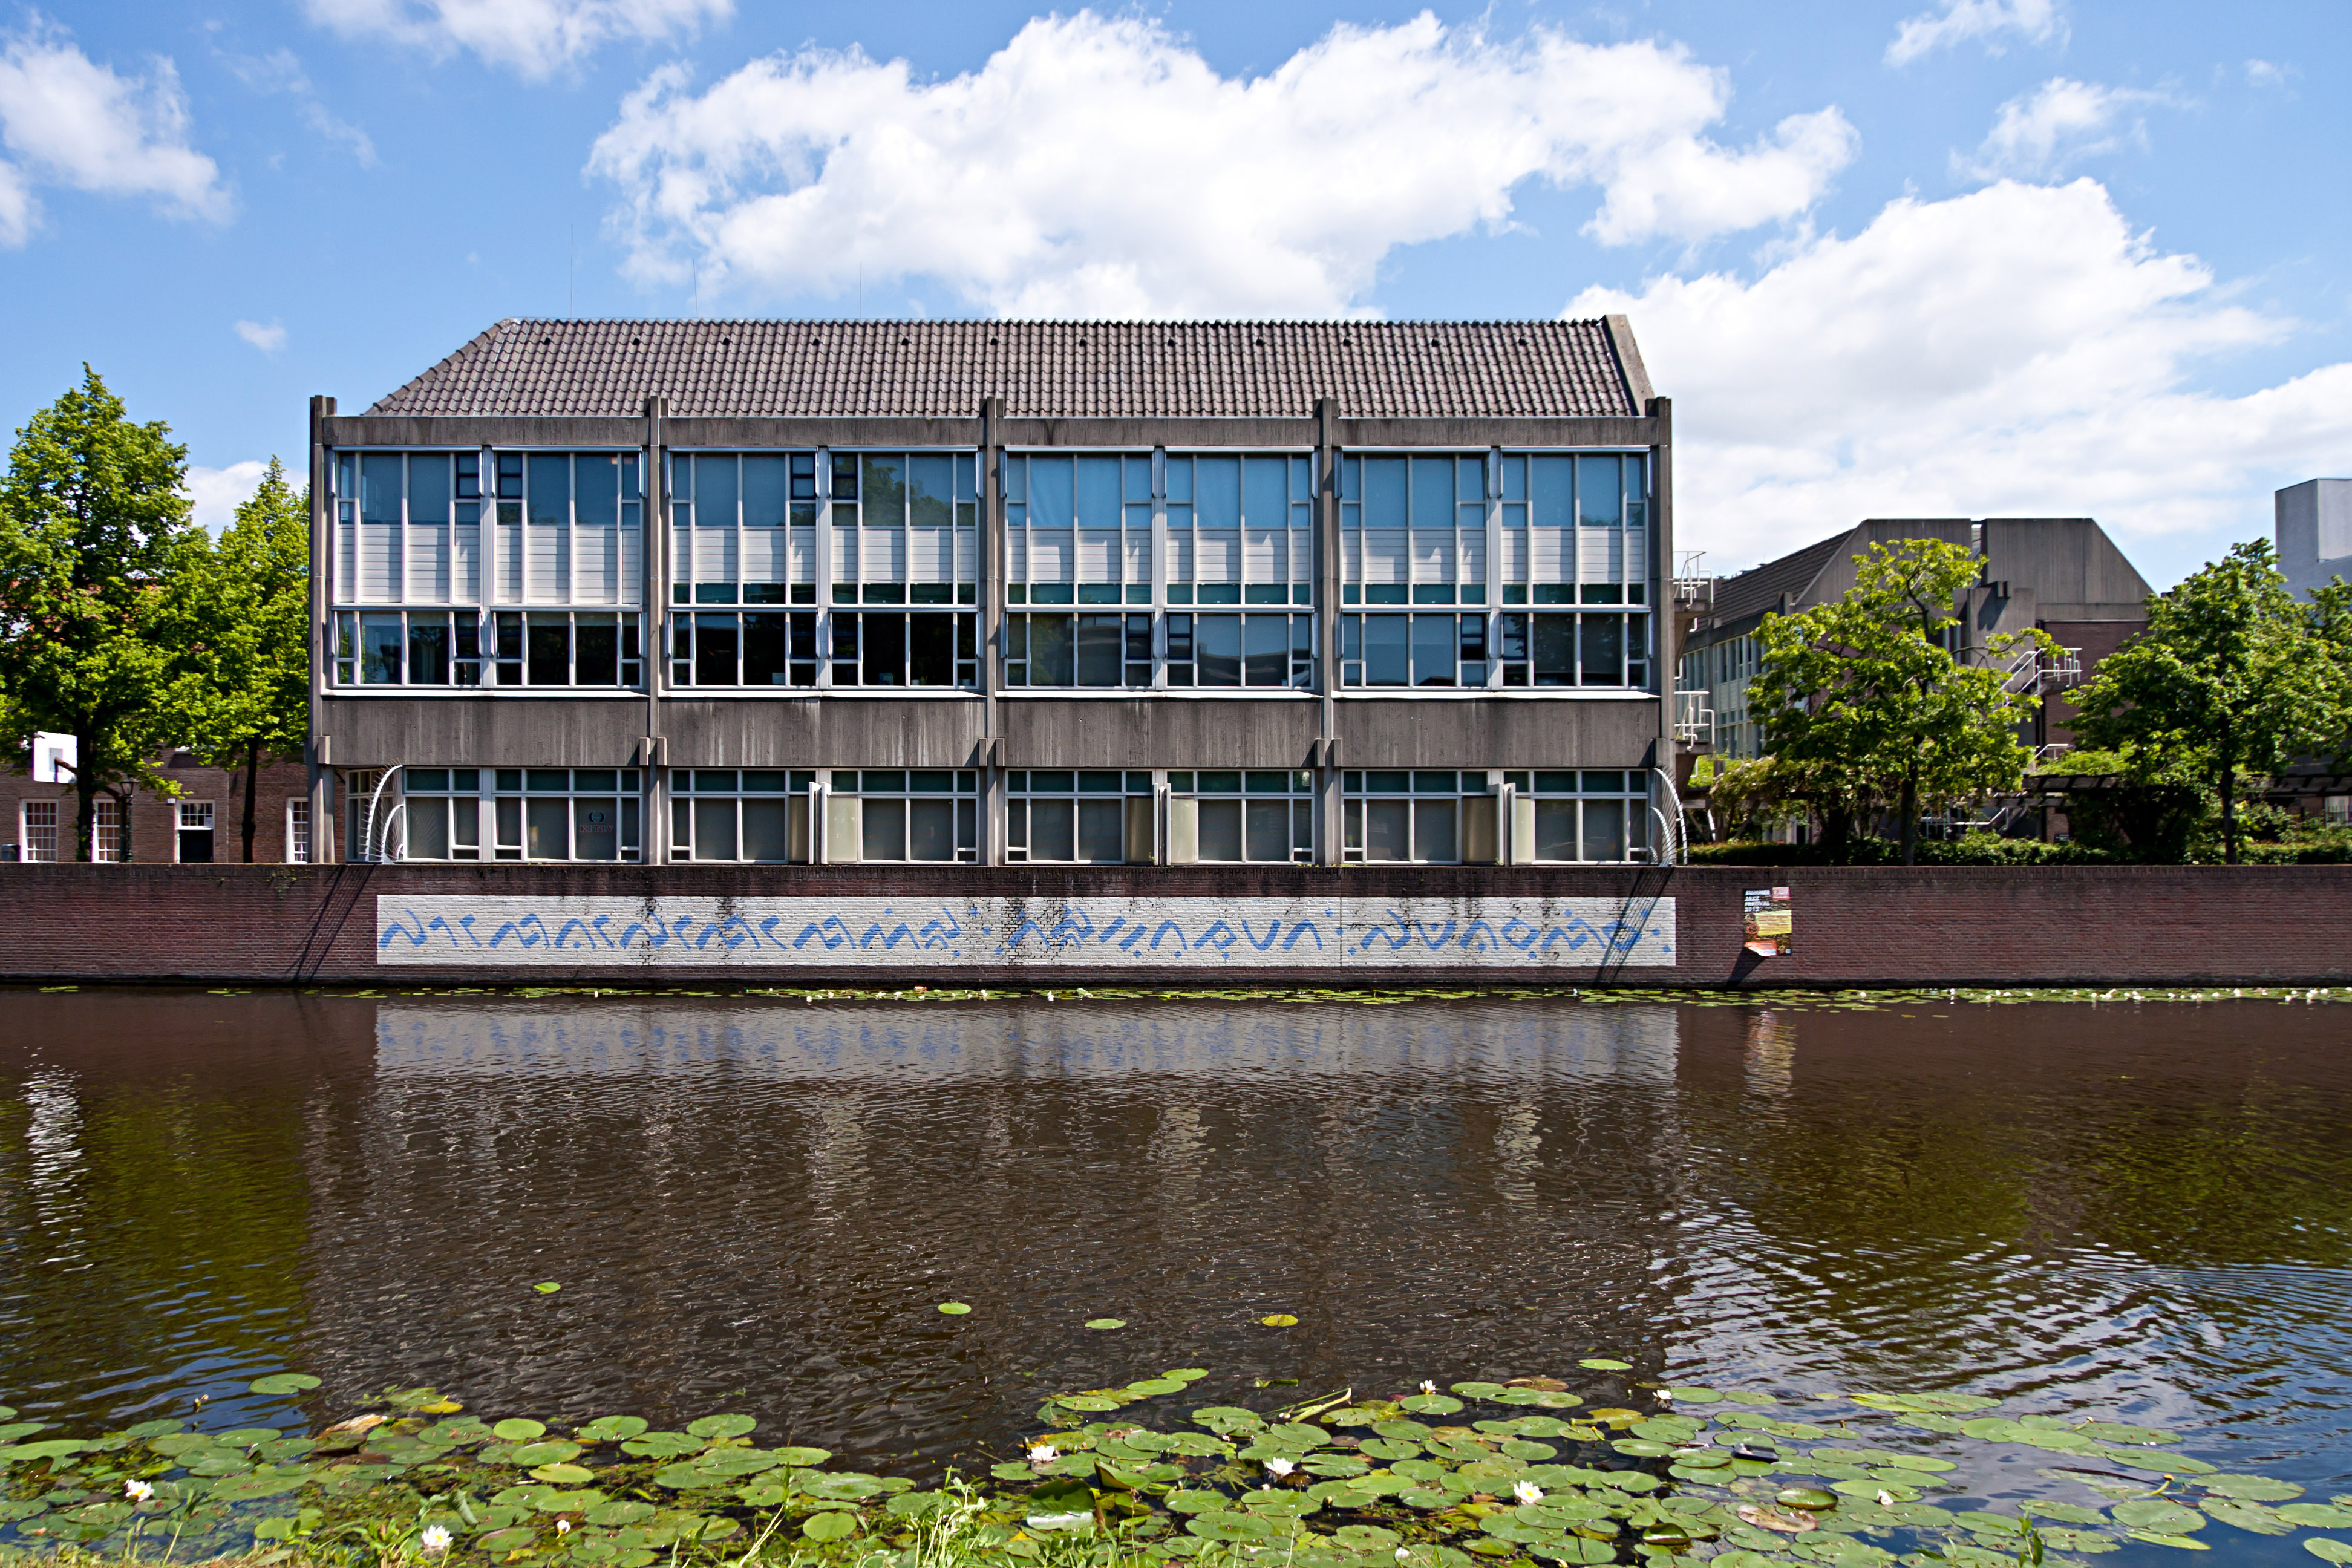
[[1759, 588], [1404, 370]]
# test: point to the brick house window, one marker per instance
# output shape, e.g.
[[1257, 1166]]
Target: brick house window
[[196, 840], [39, 835], [297, 832], [106, 832]]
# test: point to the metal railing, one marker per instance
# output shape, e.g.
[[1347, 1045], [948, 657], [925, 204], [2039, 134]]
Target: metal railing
[[1693, 721], [1693, 589]]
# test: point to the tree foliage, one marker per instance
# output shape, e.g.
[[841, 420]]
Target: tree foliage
[[1866, 705], [90, 515], [236, 618], [2232, 678]]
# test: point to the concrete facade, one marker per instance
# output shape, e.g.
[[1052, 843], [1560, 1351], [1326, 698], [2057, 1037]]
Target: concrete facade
[[1312, 400], [2313, 532]]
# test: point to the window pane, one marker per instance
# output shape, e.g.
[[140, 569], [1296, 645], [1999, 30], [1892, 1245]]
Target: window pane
[[1221, 830], [1433, 831], [551, 650], [1385, 658], [1552, 484], [1051, 830], [1268, 654], [1217, 492], [930, 829], [714, 492], [1433, 493], [714, 830], [379, 650], [380, 487], [1217, 650], [768, 830], [1100, 646], [1604, 830], [1604, 650], [1433, 650], [596, 479], [886, 649], [595, 829], [1555, 830], [1388, 831], [1050, 662], [1555, 651], [1385, 492], [428, 829], [428, 487], [885, 833], [767, 492], [549, 492], [1600, 495], [545, 835], [428, 651], [600, 653], [886, 496], [714, 650], [1101, 831], [932, 661], [1266, 500], [930, 492], [1051, 502], [766, 645], [1269, 829]]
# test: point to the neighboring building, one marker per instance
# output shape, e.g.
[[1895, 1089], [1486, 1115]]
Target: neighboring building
[[995, 591], [203, 823], [2313, 532], [2063, 574]]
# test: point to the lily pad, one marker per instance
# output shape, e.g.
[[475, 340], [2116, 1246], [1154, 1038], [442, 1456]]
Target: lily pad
[[730, 1426], [619, 1512], [954, 1308], [1272, 1320], [546, 1287], [281, 1383], [831, 1526], [2155, 1514], [661, 1445], [1088, 1401], [1106, 1322], [2328, 1551], [563, 1475], [520, 1430], [2247, 1516], [2160, 1538], [610, 1429], [1811, 1498], [2317, 1515], [1603, 1364]]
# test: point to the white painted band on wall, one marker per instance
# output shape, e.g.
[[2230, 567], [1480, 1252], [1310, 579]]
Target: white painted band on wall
[[917, 933]]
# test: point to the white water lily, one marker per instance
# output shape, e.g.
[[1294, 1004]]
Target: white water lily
[[1665, 1396], [1886, 1498], [562, 1527], [138, 1492], [1044, 1454], [436, 1540], [1279, 1468], [1526, 1491], [1427, 1386], [1403, 1552]]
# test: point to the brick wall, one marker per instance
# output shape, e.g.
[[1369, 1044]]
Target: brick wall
[[155, 819], [1931, 926]]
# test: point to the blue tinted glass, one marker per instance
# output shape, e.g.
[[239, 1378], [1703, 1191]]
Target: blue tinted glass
[[1098, 492], [1552, 485], [714, 492], [963, 477], [1265, 498], [428, 487], [1515, 478], [767, 492], [1385, 661], [1302, 479], [885, 490], [380, 487], [1600, 496], [1013, 473], [1433, 493], [1217, 491], [548, 486], [931, 489], [1051, 502], [598, 478], [1470, 479], [1138, 478], [1384, 489], [1179, 482], [1352, 478]]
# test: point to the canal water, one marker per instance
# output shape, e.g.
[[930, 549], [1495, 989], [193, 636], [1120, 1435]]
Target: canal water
[[2142, 1210]]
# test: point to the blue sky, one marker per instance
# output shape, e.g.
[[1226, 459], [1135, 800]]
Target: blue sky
[[1932, 258]]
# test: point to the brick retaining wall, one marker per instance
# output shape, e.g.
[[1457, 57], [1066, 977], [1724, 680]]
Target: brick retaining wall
[[2159, 925]]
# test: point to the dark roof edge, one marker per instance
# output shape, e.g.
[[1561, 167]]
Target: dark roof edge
[[1629, 363]]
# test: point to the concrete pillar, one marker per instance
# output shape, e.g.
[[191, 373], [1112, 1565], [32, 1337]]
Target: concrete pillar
[[320, 781], [1328, 838], [991, 629], [655, 552]]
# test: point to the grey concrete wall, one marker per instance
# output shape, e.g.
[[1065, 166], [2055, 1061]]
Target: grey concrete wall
[[836, 732], [1272, 731], [2313, 532], [1498, 732], [485, 731]]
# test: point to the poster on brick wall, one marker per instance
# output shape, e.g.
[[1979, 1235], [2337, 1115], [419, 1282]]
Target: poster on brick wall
[[1770, 922]]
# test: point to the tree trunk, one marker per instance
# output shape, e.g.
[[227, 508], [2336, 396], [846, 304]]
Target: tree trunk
[[2229, 815], [85, 805], [1909, 810], [252, 782]]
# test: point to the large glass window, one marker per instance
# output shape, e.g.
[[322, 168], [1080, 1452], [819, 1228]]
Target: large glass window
[[519, 814], [1264, 816], [1412, 530], [1589, 649], [1574, 527], [1588, 814], [1086, 816], [890, 815], [468, 648], [411, 529], [728, 814], [1432, 816], [1413, 651]]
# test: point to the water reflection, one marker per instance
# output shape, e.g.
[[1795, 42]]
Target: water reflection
[[757, 1204]]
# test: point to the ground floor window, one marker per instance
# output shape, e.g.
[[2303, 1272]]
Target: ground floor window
[[896, 814], [195, 842], [1098, 817], [725, 814], [105, 830], [517, 814], [1261, 816], [1439, 817], [297, 832], [37, 831], [1594, 815]]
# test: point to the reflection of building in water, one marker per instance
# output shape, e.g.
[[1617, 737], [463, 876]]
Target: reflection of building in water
[[774, 1197], [1771, 1052]]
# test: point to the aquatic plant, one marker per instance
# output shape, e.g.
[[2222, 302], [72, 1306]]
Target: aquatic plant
[[1532, 1471]]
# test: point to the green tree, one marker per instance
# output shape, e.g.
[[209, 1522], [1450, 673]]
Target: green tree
[[1864, 701], [91, 513], [2232, 677], [236, 615]]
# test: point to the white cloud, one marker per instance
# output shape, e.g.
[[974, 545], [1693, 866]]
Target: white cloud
[[535, 37], [218, 493], [2268, 74], [269, 339], [1100, 166], [2038, 21], [68, 122], [2058, 123], [281, 72], [2017, 351]]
